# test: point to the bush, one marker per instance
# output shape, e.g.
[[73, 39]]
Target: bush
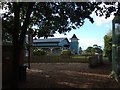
[[39, 52], [66, 53]]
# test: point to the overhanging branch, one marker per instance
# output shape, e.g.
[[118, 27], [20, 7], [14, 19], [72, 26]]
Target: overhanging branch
[[26, 23]]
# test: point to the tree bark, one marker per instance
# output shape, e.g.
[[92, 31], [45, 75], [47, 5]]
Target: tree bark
[[16, 53], [24, 29], [18, 40]]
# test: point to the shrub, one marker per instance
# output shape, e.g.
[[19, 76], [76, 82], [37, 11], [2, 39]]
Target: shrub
[[66, 53], [39, 52]]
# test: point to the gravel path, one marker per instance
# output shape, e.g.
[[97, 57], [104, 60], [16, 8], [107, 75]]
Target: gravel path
[[68, 75]]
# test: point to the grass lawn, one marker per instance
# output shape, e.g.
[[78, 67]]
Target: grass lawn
[[80, 57]]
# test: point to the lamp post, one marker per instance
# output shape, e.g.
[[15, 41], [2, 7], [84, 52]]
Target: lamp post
[[115, 45]]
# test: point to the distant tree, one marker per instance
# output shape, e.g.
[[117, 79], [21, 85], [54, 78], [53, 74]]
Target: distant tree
[[94, 49], [97, 49], [80, 50], [39, 52], [89, 49]]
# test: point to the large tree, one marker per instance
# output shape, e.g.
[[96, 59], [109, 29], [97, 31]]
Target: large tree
[[49, 17]]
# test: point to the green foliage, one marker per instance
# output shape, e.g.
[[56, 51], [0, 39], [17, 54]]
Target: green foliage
[[89, 49], [66, 53], [108, 45], [94, 49], [50, 17], [39, 52]]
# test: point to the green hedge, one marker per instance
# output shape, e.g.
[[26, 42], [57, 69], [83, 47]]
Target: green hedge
[[38, 52], [66, 53]]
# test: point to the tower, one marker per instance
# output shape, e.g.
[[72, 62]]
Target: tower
[[74, 44]]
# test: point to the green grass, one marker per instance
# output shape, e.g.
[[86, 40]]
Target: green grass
[[80, 57]]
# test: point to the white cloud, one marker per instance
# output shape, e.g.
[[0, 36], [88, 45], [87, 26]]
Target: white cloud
[[86, 42], [58, 35], [101, 20]]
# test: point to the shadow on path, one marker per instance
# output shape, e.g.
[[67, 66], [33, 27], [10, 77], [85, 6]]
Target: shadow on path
[[68, 75]]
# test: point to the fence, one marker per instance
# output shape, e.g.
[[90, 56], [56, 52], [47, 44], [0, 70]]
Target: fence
[[55, 59]]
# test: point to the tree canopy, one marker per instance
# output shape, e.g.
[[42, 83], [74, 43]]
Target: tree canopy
[[50, 17]]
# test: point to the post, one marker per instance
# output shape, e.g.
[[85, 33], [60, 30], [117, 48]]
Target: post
[[30, 41], [113, 46]]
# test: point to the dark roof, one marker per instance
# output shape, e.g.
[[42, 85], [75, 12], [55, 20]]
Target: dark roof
[[50, 40], [74, 36]]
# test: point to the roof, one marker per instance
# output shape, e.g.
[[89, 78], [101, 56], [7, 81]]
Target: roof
[[74, 36], [50, 40]]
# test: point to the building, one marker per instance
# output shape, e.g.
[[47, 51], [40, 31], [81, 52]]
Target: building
[[56, 45], [74, 44], [52, 45]]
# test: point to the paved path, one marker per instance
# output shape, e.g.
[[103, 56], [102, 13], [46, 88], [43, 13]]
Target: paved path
[[68, 75]]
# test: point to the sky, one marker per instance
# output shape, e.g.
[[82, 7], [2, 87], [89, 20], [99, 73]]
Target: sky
[[90, 34]]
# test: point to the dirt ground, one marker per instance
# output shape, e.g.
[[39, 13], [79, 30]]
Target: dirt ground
[[68, 75]]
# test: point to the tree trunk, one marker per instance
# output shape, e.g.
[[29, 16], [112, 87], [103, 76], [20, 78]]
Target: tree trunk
[[16, 50], [25, 25], [22, 54], [29, 58], [18, 41]]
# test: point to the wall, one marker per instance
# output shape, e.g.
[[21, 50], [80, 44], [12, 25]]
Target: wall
[[74, 47], [63, 42]]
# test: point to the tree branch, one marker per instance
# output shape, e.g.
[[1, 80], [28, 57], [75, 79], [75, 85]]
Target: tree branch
[[26, 23]]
